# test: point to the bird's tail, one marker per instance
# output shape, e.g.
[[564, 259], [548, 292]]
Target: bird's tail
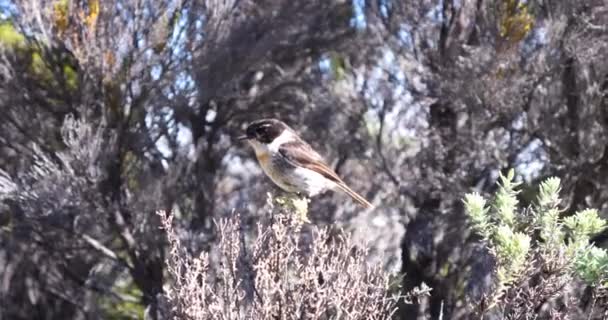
[[358, 198]]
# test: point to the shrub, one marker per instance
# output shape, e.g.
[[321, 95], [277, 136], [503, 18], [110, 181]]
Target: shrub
[[284, 272], [538, 254]]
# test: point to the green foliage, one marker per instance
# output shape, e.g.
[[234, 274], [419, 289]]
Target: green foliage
[[10, 37], [580, 227], [584, 224], [547, 214], [550, 229], [511, 250], [294, 203], [498, 227], [548, 194], [505, 202], [39, 68], [592, 266], [339, 65], [510, 238], [71, 77], [475, 206], [37, 64], [127, 307]]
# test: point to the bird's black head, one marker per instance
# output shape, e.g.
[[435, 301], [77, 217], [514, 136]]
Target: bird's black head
[[265, 130]]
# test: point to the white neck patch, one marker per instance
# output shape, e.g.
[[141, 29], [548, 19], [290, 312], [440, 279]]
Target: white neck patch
[[273, 147], [284, 137]]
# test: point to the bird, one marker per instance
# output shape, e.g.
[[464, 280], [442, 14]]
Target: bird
[[291, 163]]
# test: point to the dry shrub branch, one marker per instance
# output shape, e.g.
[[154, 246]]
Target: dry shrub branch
[[283, 272]]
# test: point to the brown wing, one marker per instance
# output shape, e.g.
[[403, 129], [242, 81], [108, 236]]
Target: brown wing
[[301, 154]]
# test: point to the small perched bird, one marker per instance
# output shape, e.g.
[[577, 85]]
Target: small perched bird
[[291, 163]]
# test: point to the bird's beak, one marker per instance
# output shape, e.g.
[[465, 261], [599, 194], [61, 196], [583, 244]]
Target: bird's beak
[[242, 138]]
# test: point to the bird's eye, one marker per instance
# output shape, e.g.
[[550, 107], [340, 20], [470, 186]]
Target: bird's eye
[[261, 131]]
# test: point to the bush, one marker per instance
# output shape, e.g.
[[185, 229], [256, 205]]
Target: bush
[[284, 272], [538, 254]]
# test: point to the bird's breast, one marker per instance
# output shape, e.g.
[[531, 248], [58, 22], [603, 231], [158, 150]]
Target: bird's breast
[[282, 173], [279, 173], [289, 177], [263, 158]]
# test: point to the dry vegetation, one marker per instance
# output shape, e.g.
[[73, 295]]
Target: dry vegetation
[[278, 270], [113, 110]]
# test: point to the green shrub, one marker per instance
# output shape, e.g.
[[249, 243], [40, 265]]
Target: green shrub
[[536, 242]]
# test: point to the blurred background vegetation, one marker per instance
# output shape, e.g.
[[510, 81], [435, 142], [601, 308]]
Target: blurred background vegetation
[[114, 109]]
